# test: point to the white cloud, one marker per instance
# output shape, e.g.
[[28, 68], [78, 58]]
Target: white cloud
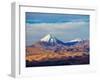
[[54, 26], [58, 28]]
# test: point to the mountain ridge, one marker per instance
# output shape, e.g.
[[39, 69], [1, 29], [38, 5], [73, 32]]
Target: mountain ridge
[[51, 39], [50, 51], [52, 44]]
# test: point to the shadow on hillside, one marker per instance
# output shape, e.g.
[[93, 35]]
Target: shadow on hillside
[[67, 61]]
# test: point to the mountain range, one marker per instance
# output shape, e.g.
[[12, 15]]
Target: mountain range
[[52, 40], [50, 51], [52, 44]]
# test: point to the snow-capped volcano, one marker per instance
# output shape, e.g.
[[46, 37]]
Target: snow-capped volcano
[[48, 38], [51, 40]]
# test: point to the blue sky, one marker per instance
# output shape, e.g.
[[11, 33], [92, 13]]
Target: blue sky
[[54, 18], [64, 26]]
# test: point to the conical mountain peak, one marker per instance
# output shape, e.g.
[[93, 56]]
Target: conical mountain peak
[[48, 38]]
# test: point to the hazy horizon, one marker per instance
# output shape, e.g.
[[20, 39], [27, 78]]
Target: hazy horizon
[[63, 26]]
